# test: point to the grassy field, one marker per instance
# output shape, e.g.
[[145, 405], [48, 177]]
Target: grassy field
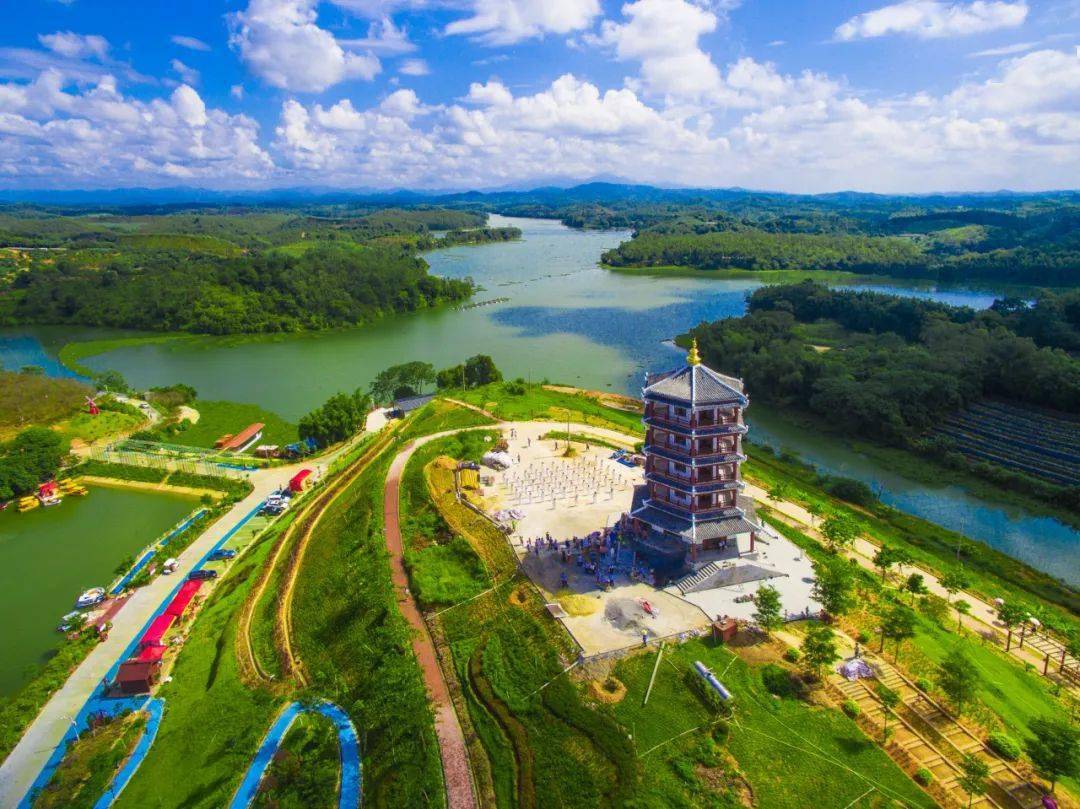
[[90, 764], [355, 646], [439, 415], [1008, 694], [540, 403], [87, 428], [33, 399], [992, 573], [786, 749], [220, 418]]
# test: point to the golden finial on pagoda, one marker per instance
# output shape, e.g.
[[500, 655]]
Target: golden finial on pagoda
[[693, 358]]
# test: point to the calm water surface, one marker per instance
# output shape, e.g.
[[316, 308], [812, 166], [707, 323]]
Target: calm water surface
[[569, 321], [50, 555]]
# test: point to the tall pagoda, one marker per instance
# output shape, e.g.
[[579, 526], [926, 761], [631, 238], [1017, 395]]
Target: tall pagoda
[[689, 511]]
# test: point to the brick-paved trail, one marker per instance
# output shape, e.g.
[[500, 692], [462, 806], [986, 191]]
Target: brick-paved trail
[[455, 757]]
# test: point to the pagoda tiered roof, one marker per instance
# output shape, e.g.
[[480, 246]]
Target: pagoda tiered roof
[[695, 384]]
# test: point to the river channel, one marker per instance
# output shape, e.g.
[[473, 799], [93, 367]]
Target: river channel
[[565, 320]]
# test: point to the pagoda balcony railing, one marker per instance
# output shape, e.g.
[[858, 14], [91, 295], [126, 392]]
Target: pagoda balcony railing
[[688, 428], [715, 510], [690, 485], [673, 452]]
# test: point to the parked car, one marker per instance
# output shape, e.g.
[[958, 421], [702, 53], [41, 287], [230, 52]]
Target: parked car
[[203, 573], [223, 553]]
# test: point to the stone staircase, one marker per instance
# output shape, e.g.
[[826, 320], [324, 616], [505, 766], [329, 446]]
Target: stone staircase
[[932, 737], [690, 581]]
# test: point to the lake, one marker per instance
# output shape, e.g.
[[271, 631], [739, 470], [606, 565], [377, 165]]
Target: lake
[[566, 320], [50, 555]]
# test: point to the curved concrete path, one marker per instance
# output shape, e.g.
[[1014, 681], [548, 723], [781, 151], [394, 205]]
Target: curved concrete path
[[348, 750], [155, 707]]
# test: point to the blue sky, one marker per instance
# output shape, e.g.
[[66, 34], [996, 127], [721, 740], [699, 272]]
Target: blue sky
[[918, 95]]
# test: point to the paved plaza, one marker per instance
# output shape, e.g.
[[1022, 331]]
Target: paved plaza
[[575, 498]]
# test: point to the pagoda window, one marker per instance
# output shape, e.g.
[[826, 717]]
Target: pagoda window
[[680, 469]]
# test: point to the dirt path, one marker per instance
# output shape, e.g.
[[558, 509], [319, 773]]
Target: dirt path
[[452, 749]]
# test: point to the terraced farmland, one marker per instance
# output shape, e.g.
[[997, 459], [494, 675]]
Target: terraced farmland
[[1031, 441]]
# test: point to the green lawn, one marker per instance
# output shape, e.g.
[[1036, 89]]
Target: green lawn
[[89, 428], [786, 749], [219, 418], [540, 403], [306, 771], [439, 415]]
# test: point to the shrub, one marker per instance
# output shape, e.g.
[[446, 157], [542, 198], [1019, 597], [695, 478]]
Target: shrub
[[924, 684], [851, 490], [781, 682], [720, 732], [851, 708], [1004, 745], [923, 777], [863, 637], [792, 655]]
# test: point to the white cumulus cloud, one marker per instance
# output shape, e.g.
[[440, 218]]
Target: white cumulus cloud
[[503, 22], [191, 43], [931, 19], [76, 46], [281, 43]]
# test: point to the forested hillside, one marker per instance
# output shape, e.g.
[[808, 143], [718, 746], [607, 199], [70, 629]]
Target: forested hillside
[[228, 271], [885, 367], [172, 290]]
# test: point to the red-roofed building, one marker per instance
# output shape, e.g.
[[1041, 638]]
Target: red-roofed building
[[300, 481], [150, 654], [157, 630], [137, 676], [243, 439], [183, 597]]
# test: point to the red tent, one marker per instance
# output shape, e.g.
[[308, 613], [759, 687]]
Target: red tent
[[180, 602], [157, 630], [150, 654], [298, 483]]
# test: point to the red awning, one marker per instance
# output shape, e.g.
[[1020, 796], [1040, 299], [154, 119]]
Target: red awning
[[181, 600], [244, 436], [150, 653], [157, 630]]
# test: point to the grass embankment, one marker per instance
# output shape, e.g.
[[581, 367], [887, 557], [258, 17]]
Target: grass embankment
[[439, 415], [32, 399], [234, 487], [90, 764], [218, 418], [19, 709], [992, 573], [442, 565], [356, 648], [1008, 695], [306, 769], [790, 752], [519, 401], [213, 724], [585, 438], [72, 354], [88, 429]]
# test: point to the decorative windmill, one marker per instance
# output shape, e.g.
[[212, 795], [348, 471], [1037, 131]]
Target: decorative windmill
[[91, 406]]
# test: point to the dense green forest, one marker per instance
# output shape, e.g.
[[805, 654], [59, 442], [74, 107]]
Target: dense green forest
[[885, 367], [223, 272], [174, 290]]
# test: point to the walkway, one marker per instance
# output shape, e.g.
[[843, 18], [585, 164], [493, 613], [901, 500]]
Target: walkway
[[452, 748], [937, 741], [349, 784], [155, 708]]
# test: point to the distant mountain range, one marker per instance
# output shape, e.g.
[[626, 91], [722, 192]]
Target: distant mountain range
[[586, 193]]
